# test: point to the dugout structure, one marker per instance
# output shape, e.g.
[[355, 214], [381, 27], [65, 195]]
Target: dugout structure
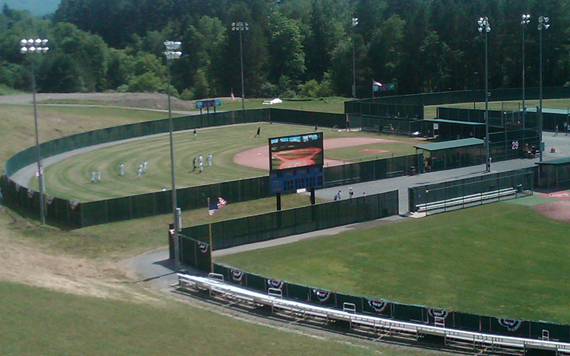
[[554, 174], [452, 154]]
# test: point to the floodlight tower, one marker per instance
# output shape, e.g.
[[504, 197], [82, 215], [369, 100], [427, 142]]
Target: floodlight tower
[[240, 27], [354, 24], [172, 52], [30, 46], [525, 20], [485, 27], [542, 25]]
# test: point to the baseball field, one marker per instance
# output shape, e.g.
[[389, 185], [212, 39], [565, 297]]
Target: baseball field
[[68, 292]]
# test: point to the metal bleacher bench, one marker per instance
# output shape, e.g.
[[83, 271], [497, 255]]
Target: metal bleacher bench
[[467, 199], [215, 284]]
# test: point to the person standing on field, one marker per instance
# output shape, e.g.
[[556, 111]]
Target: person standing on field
[[122, 169], [258, 134], [210, 159], [194, 165]]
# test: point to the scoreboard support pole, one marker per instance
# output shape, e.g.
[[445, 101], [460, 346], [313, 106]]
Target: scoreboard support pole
[[313, 196], [278, 201]]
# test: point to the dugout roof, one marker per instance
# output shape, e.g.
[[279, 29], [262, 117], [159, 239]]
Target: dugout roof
[[454, 122], [438, 146], [555, 162]]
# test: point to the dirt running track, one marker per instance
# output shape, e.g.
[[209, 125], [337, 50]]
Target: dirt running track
[[259, 157]]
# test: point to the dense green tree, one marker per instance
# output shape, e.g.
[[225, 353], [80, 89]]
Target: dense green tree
[[327, 29], [286, 49], [291, 48]]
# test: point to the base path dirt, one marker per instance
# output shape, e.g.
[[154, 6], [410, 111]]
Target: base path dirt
[[259, 157]]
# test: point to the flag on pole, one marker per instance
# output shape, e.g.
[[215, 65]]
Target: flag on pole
[[376, 86], [213, 208], [232, 95]]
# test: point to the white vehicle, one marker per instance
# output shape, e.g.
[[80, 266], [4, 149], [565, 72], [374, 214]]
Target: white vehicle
[[272, 102]]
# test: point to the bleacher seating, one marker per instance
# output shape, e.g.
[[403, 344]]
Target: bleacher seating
[[466, 200], [217, 288]]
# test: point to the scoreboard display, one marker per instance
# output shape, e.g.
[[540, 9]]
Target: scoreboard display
[[296, 151], [296, 162]]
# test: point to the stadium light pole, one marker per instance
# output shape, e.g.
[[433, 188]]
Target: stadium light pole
[[525, 19], [354, 23], [485, 27], [172, 53], [30, 46], [240, 27], [542, 25]]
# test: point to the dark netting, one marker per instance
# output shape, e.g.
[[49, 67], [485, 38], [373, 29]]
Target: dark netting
[[267, 226], [119, 209], [308, 118], [142, 205], [95, 213]]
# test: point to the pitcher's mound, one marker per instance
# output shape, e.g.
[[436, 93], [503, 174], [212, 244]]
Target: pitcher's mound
[[558, 210]]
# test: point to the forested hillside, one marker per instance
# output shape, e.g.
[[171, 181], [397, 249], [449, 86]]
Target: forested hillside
[[292, 47]]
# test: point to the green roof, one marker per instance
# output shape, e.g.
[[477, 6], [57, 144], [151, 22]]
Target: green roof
[[466, 142], [556, 162], [444, 121]]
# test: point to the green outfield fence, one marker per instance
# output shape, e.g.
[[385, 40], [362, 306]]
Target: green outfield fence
[[452, 97], [458, 193], [394, 310], [257, 228]]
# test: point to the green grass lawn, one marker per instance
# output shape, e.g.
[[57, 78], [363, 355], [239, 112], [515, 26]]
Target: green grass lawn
[[36, 321], [500, 260]]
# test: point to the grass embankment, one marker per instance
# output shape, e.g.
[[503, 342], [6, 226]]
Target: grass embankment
[[500, 260], [36, 321]]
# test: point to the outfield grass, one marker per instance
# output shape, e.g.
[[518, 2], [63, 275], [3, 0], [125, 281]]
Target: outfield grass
[[71, 178], [36, 321], [500, 260]]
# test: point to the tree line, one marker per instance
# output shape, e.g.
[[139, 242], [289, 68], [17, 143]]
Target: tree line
[[291, 48]]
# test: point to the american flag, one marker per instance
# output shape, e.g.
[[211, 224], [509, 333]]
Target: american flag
[[215, 206]]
